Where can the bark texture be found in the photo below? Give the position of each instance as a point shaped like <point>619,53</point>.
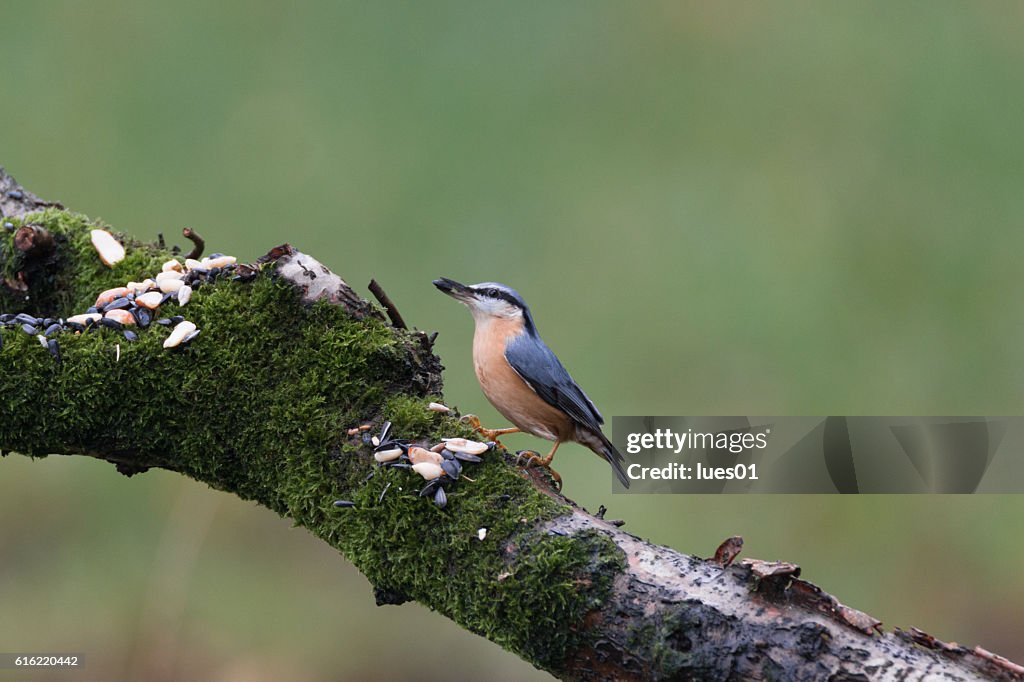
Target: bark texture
<point>266,405</point>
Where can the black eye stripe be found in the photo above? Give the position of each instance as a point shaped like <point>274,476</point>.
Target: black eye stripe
<point>498,293</point>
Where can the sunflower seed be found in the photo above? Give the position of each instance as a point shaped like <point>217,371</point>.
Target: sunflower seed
<point>452,468</point>
<point>438,407</point>
<point>117,304</point>
<point>130,335</point>
<point>142,317</point>
<point>171,265</point>
<point>184,295</point>
<point>344,503</point>
<point>440,498</point>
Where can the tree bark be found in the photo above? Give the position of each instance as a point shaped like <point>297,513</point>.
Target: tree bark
<point>266,405</point>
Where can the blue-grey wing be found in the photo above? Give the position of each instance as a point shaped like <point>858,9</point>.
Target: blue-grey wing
<point>541,369</point>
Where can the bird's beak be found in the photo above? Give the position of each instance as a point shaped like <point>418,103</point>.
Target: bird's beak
<point>459,292</point>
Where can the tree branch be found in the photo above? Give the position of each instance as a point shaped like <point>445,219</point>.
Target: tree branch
<point>263,405</point>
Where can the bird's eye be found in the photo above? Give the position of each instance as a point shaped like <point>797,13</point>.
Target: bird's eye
<point>493,293</point>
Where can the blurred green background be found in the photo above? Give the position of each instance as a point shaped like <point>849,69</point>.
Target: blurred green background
<point>713,208</point>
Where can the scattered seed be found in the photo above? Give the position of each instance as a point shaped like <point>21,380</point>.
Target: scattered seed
<point>171,265</point>
<point>481,534</point>
<point>466,457</point>
<point>41,339</point>
<point>428,470</point>
<point>164,322</point>
<point>142,317</point>
<point>417,455</point>
<point>351,432</point>
<point>365,427</point>
<point>430,487</point>
<point>438,448</point>
<point>440,498</point>
<point>130,335</point>
<point>152,300</point>
<point>438,407</point>
<point>25,318</point>
<point>178,319</point>
<point>54,349</point>
<point>471,447</point>
<point>218,262</point>
<point>110,250</point>
<point>385,431</point>
<point>111,323</point>
<point>344,503</point>
<point>192,264</point>
<point>111,294</point>
<point>375,440</point>
<point>179,333</point>
<point>189,337</point>
<point>85,318</point>
<point>452,468</point>
<point>122,316</point>
<point>184,295</point>
<point>52,328</point>
<point>169,286</point>
<point>389,455</point>
<point>29,329</point>
<point>117,304</point>
<point>142,287</point>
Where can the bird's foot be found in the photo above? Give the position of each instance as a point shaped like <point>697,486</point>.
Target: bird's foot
<point>532,458</point>
<point>490,434</point>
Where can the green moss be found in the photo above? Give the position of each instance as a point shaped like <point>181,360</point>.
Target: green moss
<point>259,405</point>
<point>69,280</point>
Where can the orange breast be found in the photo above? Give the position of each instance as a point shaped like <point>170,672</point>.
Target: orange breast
<point>506,390</point>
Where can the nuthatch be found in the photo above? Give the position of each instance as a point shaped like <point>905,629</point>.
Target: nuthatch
<point>523,379</point>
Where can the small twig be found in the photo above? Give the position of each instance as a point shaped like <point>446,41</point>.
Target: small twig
<point>393,314</point>
<point>197,243</point>
<point>34,241</point>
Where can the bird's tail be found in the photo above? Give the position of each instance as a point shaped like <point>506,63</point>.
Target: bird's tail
<point>600,444</point>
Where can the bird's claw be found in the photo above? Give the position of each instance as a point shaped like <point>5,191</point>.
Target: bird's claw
<point>473,422</point>
<point>533,459</point>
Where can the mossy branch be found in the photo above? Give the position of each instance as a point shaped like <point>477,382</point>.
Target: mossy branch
<point>261,406</point>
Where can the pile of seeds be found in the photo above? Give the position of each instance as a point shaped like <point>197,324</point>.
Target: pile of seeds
<point>136,303</point>
<point>440,465</point>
